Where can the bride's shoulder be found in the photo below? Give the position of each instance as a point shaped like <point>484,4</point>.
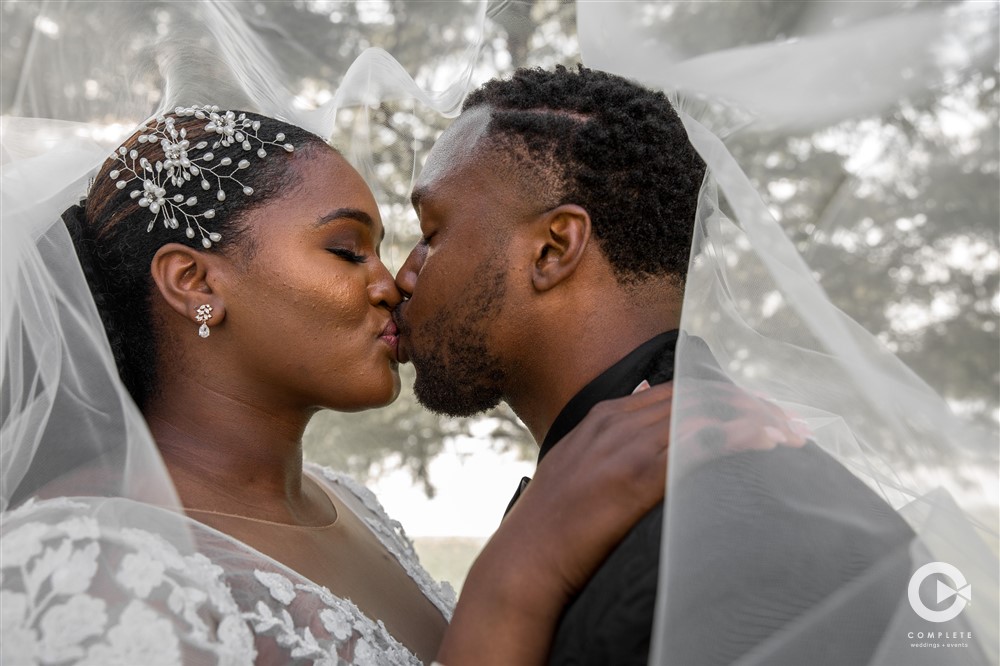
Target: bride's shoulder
<point>389,531</point>
<point>367,505</point>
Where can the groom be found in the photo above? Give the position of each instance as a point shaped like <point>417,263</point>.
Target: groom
<point>557,214</point>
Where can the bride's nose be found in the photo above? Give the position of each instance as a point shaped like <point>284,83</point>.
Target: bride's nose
<point>382,289</point>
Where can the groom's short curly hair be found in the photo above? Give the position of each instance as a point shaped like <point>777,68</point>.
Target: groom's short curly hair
<point>609,145</point>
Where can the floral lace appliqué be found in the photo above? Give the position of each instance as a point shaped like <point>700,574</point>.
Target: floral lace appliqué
<point>347,633</point>
<point>75,591</point>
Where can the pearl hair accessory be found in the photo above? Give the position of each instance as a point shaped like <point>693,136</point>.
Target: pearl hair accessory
<point>179,165</point>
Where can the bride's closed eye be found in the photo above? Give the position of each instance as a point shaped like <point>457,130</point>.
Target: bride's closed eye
<point>348,255</point>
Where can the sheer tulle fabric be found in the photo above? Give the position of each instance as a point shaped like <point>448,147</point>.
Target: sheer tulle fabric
<point>70,431</point>
<point>865,409</point>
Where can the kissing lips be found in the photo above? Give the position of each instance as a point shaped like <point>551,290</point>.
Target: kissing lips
<point>390,336</point>
<point>402,329</point>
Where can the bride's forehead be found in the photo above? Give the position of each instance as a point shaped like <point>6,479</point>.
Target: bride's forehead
<point>331,182</point>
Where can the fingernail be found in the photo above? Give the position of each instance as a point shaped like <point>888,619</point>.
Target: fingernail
<point>775,435</point>
<point>800,428</point>
<point>643,386</point>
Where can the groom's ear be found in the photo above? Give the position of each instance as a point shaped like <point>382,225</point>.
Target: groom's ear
<point>563,236</point>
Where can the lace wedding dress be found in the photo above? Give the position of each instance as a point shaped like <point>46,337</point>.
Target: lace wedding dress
<point>79,589</point>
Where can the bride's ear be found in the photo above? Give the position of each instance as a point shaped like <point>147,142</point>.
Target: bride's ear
<point>564,233</point>
<point>182,276</point>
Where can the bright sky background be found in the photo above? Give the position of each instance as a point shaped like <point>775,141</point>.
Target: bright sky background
<point>474,485</point>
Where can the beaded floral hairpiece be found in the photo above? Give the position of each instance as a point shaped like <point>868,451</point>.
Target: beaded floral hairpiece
<point>179,165</point>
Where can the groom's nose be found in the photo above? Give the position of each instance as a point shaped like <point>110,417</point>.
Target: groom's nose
<point>406,278</point>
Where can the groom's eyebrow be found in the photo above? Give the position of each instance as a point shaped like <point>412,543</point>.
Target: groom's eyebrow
<point>349,214</point>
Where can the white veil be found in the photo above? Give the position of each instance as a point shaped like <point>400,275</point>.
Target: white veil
<point>770,326</point>
<point>88,72</point>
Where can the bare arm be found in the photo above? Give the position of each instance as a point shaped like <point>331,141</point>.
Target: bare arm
<point>583,500</point>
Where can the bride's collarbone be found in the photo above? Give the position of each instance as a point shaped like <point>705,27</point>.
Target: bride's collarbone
<point>311,508</point>
<point>330,539</point>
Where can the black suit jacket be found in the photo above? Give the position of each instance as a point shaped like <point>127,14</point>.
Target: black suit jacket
<point>763,547</point>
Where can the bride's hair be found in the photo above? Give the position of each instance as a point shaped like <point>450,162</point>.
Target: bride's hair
<point>109,232</point>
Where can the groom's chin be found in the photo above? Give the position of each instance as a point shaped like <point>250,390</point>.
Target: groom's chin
<point>453,397</point>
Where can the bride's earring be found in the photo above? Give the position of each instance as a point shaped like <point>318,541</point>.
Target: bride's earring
<point>202,315</point>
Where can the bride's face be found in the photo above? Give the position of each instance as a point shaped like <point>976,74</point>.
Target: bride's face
<point>308,313</point>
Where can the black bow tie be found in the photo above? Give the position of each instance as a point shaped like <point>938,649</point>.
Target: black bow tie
<point>525,480</point>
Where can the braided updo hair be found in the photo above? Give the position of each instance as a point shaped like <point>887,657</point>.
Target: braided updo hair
<point>109,228</point>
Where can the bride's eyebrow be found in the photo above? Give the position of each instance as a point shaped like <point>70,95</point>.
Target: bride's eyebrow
<point>349,214</point>
<point>346,214</point>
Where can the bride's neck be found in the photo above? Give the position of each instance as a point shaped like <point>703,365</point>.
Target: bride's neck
<point>224,450</point>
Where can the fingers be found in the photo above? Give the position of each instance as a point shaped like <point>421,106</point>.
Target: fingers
<point>717,403</point>
<point>617,423</point>
<point>801,429</point>
<point>748,435</point>
<point>746,422</point>
<point>620,439</point>
<point>643,395</point>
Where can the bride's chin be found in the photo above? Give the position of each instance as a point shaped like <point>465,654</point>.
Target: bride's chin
<point>388,391</point>
<point>381,390</point>
<point>393,392</point>
<point>396,384</point>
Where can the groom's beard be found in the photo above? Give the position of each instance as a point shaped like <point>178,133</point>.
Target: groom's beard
<point>457,374</point>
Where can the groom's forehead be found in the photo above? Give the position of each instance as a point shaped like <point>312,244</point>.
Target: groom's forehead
<point>456,149</point>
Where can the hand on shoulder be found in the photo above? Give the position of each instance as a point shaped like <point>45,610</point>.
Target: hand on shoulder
<point>585,497</point>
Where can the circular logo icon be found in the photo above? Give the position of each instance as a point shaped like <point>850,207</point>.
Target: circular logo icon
<point>959,589</point>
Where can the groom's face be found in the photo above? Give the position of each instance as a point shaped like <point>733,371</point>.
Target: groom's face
<point>453,326</point>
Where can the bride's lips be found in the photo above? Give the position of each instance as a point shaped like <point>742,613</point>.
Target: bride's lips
<point>401,354</point>
<point>390,336</point>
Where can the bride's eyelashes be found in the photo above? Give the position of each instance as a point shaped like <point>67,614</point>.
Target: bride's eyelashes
<point>348,255</point>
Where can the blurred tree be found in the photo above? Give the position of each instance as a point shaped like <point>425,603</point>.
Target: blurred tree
<point>898,217</point>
